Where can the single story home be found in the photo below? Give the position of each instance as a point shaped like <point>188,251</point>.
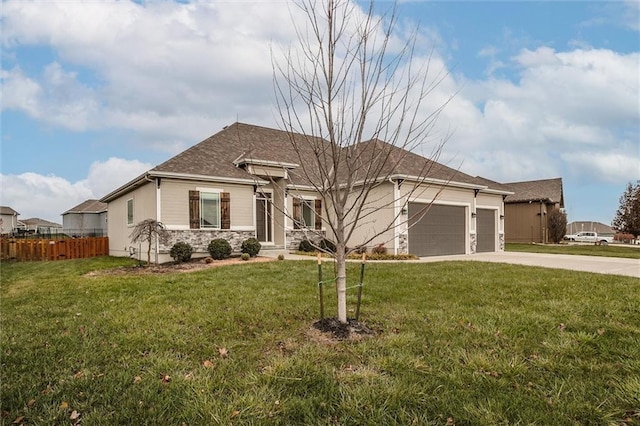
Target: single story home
<point>587,225</point>
<point>251,181</point>
<point>41,226</point>
<point>87,219</point>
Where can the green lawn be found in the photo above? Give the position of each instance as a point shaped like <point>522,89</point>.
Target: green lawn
<point>610,250</point>
<point>457,342</point>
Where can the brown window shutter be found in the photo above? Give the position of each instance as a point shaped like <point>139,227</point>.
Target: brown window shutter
<point>194,209</point>
<point>297,213</point>
<point>318,214</point>
<point>225,210</point>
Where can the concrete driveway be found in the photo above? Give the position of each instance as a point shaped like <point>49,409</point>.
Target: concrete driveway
<point>599,265</point>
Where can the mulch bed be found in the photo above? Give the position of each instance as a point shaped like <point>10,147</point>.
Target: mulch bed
<point>342,331</point>
<point>167,268</point>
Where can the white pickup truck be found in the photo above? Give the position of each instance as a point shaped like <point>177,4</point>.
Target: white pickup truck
<point>588,237</point>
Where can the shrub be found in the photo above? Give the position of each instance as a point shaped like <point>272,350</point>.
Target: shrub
<point>245,256</point>
<point>251,246</point>
<point>328,245</point>
<point>219,249</point>
<point>360,250</point>
<point>623,238</point>
<point>306,246</point>
<point>379,249</point>
<point>557,225</point>
<point>281,257</point>
<point>181,252</point>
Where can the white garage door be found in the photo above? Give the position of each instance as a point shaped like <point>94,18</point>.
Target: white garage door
<point>439,231</point>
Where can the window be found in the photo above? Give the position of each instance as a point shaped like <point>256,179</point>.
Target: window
<point>130,211</point>
<point>209,210</point>
<point>307,214</point>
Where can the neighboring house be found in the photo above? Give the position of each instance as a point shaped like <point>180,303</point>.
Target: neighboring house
<point>527,209</point>
<point>8,220</point>
<point>87,219</point>
<point>599,227</point>
<point>247,181</point>
<point>40,226</point>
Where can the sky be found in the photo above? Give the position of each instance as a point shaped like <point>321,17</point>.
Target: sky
<point>94,93</point>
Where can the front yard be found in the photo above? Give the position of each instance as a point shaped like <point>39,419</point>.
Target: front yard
<point>610,250</point>
<point>456,343</point>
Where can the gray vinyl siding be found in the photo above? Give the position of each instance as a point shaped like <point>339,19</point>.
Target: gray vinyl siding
<point>175,202</point>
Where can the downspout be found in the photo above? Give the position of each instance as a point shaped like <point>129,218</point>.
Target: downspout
<point>158,213</point>
<point>396,216</point>
<point>541,228</point>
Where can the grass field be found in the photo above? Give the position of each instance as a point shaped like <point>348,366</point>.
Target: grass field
<point>610,250</point>
<point>461,343</point>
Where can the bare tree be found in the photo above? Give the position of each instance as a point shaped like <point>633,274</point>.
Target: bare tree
<point>148,230</point>
<point>353,98</point>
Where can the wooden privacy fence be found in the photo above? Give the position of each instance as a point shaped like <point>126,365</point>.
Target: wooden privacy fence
<point>74,248</point>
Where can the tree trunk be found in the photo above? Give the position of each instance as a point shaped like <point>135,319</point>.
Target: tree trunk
<point>341,282</point>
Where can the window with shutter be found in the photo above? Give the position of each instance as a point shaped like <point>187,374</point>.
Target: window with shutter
<point>307,214</point>
<point>209,210</point>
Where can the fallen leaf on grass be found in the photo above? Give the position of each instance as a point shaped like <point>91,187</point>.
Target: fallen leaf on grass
<point>64,405</point>
<point>235,414</point>
<point>223,352</point>
<point>207,364</point>
<point>79,375</point>
<point>166,378</point>
<point>31,403</point>
<point>562,326</point>
<point>18,420</point>
<point>74,415</point>
<point>137,379</point>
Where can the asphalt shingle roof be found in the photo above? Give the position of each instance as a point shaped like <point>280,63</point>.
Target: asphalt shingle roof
<point>215,156</point>
<point>7,210</point>
<point>548,190</point>
<point>88,206</point>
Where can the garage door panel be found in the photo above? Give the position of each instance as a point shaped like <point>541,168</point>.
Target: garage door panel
<point>486,230</point>
<point>440,230</point>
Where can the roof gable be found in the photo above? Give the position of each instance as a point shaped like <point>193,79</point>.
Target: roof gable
<point>88,206</point>
<point>8,211</point>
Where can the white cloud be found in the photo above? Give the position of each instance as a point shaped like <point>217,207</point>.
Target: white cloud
<point>173,73</point>
<point>161,69</point>
<point>47,197</point>
<point>564,105</point>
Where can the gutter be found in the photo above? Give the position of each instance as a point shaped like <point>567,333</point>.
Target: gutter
<point>144,178</point>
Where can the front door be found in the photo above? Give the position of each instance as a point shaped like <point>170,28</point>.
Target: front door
<point>264,215</point>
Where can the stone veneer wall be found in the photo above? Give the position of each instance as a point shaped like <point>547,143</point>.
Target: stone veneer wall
<point>294,236</point>
<point>501,241</point>
<point>200,239</point>
<point>402,244</point>
<point>473,243</point>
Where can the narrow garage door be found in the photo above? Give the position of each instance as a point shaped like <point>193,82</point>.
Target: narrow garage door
<point>440,231</point>
<point>486,230</point>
